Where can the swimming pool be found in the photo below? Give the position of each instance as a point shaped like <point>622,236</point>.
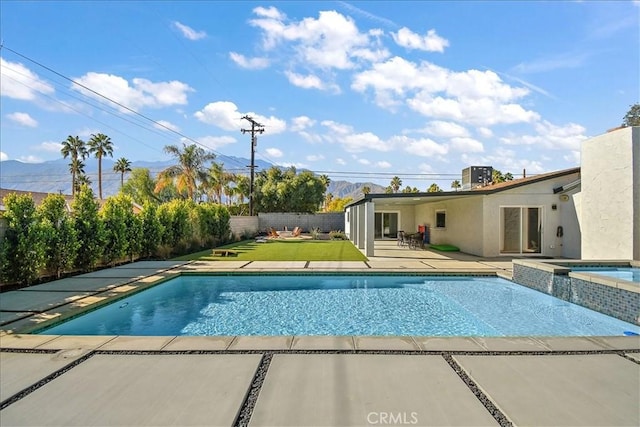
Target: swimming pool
<point>342,305</point>
<point>631,274</point>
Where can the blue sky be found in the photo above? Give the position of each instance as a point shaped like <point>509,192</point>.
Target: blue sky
<point>357,90</point>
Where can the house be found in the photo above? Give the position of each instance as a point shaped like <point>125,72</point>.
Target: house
<point>528,216</point>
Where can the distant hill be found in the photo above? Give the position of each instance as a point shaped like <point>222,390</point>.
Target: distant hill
<point>344,189</point>
<point>53,176</point>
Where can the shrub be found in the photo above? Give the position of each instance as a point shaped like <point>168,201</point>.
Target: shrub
<point>61,240</point>
<point>22,254</point>
<point>89,228</point>
<point>337,235</point>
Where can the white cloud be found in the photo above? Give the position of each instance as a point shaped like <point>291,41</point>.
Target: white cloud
<point>431,42</point>
<point>49,146</point>
<point>573,157</point>
<point>332,41</point>
<point>30,159</point>
<point>274,152</point>
<point>215,142</point>
<point>301,123</point>
<point>445,129</point>
<point>165,125</point>
<point>23,119</point>
<point>225,115</point>
<point>310,137</point>
<point>315,157</point>
<point>359,142</point>
<point>256,63</point>
<point>466,145</point>
<point>310,81</point>
<point>364,162</point>
<point>3,156</point>
<point>341,161</point>
<point>141,93</point>
<point>484,132</point>
<point>423,147</point>
<point>383,164</point>
<point>477,98</point>
<point>550,136</point>
<point>19,82</point>
<point>189,32</point>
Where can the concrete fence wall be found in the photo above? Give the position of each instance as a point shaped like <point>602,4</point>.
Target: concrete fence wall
<point>244,225</point>
<point>333,221</point>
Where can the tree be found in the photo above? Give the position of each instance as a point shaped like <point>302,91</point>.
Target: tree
<point>455,185</point>
<point>434,188</point>
<point>100,145</point>
<point>338,204</point>
<point>497,176</point>
<point>632,118</point>
<point>215,181</point>
<point>60,235</point>
<point>89,229</point>
<point>288,191</point>
<point>409,189</point>
<point>188,171</point>
<point>395,184</point>
<point>22,252</point>
<point>76,149</point>
<point>366,190</point>
<point>123,166</point>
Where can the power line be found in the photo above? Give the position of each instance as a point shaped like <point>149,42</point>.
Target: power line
<point>155,122</point>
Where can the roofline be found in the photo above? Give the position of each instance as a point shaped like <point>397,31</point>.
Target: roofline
<point>481,192</point>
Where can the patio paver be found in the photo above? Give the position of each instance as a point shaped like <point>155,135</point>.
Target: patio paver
<point>275,265</point>
<point>158,265</point>
<point>136,343</point>
<point>198,343</point>
<point>12,316</point>
<point>448,344</point>
<point>337,264</point>
<point>24,341</point>
<point>153,390</point>
<point>635,356</point>
<point>350,390</point>
<point>584,390</point>
<point>133,273</point>
<point>261,343</point>
<point>398,264</point>
<point>78,283</point>
<point>37,301</point>
<point>322,343</point>
<point>510,344</point>
<point>18,370</point>
<point>385,343</point>
<point>65,342</point>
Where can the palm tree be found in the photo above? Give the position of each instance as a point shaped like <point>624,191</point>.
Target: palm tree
<point>396,183</point>
<point>82,180</point>
<point>366,190</point>
<point>76,149</point>
<point>100,145</point>
<point>215,181</point>
<point>123,166</point>
<point>434,188</point>
<point>188,171</point>
<point>455,185</point>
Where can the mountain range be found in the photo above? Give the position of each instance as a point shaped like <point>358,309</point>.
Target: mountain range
<point>54,177</point>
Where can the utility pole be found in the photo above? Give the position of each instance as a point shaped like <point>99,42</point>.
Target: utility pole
<point>255,129</point>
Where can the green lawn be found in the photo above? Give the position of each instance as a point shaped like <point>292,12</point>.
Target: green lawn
<point>284,250</point>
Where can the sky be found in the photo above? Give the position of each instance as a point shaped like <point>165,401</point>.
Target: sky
<point>359,91</point>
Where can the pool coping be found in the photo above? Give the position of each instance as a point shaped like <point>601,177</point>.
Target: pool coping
<point>15,334</point>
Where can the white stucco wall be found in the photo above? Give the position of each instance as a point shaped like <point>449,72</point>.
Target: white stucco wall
<point>610,197</point>
<point>464,219</point>
<point>538,194</point>
<point>406,217</point>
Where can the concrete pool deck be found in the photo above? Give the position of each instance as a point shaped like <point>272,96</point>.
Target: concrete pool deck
<point>301,380</point>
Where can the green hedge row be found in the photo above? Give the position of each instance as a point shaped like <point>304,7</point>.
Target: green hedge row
<point>49,241</point>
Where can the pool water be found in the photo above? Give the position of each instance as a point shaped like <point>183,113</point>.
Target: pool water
<point>342,305</point>
<point>631,274</point>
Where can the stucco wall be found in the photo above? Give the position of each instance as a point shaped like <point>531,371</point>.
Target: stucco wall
<point>610,199</point>
<point>464,219</point>
<point>537,194</point>
<point>406,216</point>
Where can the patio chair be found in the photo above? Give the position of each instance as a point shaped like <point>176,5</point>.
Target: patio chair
<point>273,234</point>
<point>401,241</point>
<point>296,232</point>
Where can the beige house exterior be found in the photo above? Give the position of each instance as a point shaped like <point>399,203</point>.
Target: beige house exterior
<point>531,216</point>
<point>591,212</point>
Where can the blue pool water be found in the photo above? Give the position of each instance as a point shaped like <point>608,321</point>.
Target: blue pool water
<point>342,305</point>
<point>632,274</point>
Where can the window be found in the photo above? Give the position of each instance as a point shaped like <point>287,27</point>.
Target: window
<point>441,219</point>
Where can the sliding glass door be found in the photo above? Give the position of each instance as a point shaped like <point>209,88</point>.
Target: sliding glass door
<point>521,230</point>
<point>386,225</point>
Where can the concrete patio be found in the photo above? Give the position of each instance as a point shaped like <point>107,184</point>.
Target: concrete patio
<point>300,380</point>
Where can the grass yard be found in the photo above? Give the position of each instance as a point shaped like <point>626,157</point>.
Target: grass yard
<point>284,250</point>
